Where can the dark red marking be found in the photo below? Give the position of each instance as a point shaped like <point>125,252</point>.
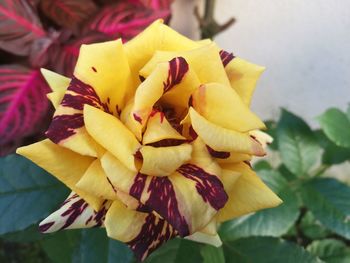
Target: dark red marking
<point>193,133</point>
<point>178,67</point>
<point>138,155</point>
<point>137,118</point>
<point>167,142</point>
<point>94,69</point>
<point>109,181</point>
<point>190,101</point>
<point>162,199</point>
<point>99,217</point>
<point>209,187</point>
<point>73,212</point>
<point>64,126</point>
<point>142,78</point>
<point>248,163</point>
<point>226,57</point>
<point>217,154</point>
<point>43,228</point>
<point>154,233</point>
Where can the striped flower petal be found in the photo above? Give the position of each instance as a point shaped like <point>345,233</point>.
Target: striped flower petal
<point>207,97</point>
<point>142,232</point>
<point>159,128</point>
<point>225,140</point>
<point>248,194</point>
<point>74,213</point>
<point>67,166</point>
<point>110,132</point>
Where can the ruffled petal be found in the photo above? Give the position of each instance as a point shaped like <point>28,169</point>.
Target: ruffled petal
<point>95,181</point>
<point>221,139</point>
<point>67,166</point>
<point>163,161</point>
<point>165,77</point>
<point>262,137</point>
<point>142,232</point>
<point>248,194</point>
<point>110,132</point>
<point>58,85</point>
<point>188,199</point>
<point>74,213</point>
<point>158,129</point>
<point>243,77</point>
<point>222,106</point>
<point>155,37</point>
<point>105,67</point>
<point>67,127</point>
<point>205,61</point>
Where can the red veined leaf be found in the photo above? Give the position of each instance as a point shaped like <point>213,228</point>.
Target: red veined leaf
<point>124,20</point>
<point>23,102</point>
<point>68,13</point>
<point>63,57</point>
<point>19,26</point>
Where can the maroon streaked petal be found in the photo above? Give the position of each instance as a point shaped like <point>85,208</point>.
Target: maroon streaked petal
<point>217,154</point>
<point>178,67</point>
<point>226,57</point>
<point>64,126</point>
<point>208,186</point>
<point>154,233</point>
<point>162,199</point>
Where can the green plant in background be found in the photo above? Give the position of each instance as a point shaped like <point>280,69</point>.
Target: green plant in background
<point>312,225</point>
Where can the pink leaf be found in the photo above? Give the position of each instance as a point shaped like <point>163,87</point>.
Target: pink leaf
<point>23,102</point>
<point>63,57</point>
<point>68,13</point>
<point>19,26</point>
<point>124,20</point>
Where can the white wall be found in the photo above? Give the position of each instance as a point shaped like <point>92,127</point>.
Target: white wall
<point>305,46</point>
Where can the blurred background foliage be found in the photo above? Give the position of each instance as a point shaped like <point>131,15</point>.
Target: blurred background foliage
<point>312,225</point>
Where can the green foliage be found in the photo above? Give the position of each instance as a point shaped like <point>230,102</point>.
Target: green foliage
<point>312,224</point>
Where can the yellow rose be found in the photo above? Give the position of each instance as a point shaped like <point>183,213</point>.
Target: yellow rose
<point>154,138</point>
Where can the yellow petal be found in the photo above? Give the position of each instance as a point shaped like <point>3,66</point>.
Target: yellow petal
<point>222,106</point>
<point>111,133</point>
<point>229,176</point>
<point>74,213</point>
<point>243,77</point>
<point>58,85</point>
<point>163,161</point>
<point>205,61</point>
<point>225,140</point>
<point>234,158</point>
<point>248,194</point>
<point>262,137</point>
<point>158,129</point>
<point>95,181</point>
<point>105,67</point>
<point>155,37</point>
<point>206,239</point>
<point>65,165</point>
<point>57,82</point>
<point>142,232</point>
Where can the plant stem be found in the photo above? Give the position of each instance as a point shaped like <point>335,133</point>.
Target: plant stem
<point>321,170</point>
<point>209,27</point>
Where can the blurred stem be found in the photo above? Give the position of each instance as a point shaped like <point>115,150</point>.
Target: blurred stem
<point>209,27</point>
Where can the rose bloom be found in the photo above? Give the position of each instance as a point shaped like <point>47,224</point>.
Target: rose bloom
<point>154,137</point>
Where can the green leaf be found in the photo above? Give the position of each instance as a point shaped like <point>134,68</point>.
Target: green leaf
<point>262,165</point>
<point>266,250</point>
<point>312,228</point>
<point>332,154</point>
<point>177,251</point>
<point>336,126</point>
<point>29,234</point>
<point>95,246</point>
<point>269,222</point>
<point>297,144</point>
<point>328,200</point>
<point>330,250</point>
<point>282,169</point>
<point>60,246</point>
<point>27,193</point>
<point>212,254</point>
